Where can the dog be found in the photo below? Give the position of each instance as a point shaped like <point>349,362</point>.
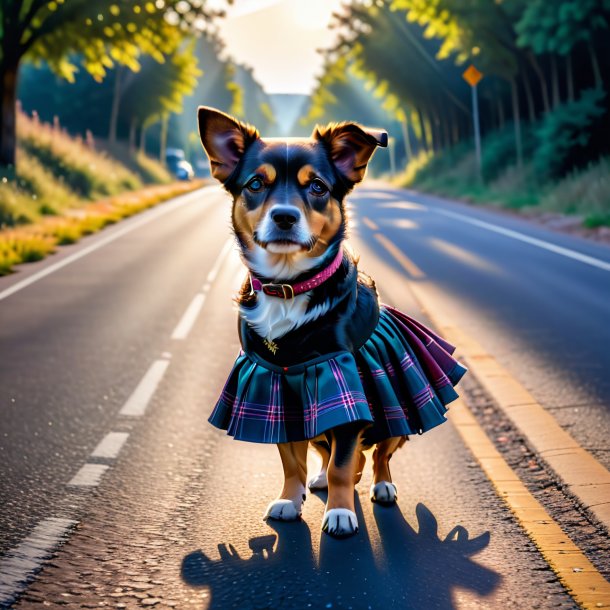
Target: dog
<point>322,362</point>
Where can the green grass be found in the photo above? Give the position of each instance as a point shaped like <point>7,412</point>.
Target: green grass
<point>33,242</point>
<point>147,169</point>
<point>64,188</point>
<point>585,193</point>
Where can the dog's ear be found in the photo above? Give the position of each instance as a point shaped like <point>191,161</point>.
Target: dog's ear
<point>224,140</point>
<point>350,146</point>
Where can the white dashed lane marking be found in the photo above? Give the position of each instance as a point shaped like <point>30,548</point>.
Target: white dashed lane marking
<point>89,475</point>
<point>189,318</point>
<point>138,402</point>
<point>110,445</point>
<point>18,566</point>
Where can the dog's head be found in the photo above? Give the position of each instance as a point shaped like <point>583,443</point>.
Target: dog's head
<point>288,208</point>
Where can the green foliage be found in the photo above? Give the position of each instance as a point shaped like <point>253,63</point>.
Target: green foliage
<point>32,242</point>
<point>557,27</point>
<point>148,170</point>
<point>56,172</point>
<point>100,34</point>
<point>159,89</point>
<point>565,129</point>
<point>86,172</point>
<point>498,150</point>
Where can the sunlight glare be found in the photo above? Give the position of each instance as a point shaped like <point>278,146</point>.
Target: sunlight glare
<point>313,14</point>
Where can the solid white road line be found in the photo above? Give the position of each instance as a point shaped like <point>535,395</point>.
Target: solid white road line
<point>19,564</point>
<point>132,226</point>
<point>110,445</point>
<point>136,404</point>
<point>190,316</point>
<point>573,254</point>
<point>89,475</point>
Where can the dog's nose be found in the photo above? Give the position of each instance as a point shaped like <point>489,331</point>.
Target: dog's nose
<point>285,216</point>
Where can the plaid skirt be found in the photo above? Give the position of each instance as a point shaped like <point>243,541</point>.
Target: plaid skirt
<point>399,382</point>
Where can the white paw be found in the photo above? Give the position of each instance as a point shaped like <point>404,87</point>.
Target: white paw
<point>340,522</point>
<point>282,510</point>
<point>384,493</point>
<point>318,482</point>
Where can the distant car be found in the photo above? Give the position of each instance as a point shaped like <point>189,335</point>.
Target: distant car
<point>184,171</point>
<point>178,165</point>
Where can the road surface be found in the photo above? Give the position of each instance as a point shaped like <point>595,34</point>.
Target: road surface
<point>112,362</point>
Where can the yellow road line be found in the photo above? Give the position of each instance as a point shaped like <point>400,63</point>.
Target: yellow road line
<point>408,265</point>
<point>584,476</point>
<point>587,479</point>
<point>578,575</point>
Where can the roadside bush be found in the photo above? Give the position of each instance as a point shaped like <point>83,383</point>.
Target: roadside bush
<point>87,172</point>
<point>586,192</point>
<point>564,131</point>
<point>498,150</point>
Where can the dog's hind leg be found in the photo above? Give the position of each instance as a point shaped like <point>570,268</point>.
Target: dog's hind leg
<point>289,505</point>
<point>383,491</point>
<point>345,460</point>
<point>322,446</point>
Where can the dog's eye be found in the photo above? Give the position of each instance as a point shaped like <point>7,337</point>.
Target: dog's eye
<point>318,187</point>
<point>256,185</point>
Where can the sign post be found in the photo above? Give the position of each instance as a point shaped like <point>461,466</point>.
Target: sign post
<point>472,76</point>
<point>391,142</point>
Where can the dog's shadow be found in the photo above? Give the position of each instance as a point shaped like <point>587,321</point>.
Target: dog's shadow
<point>405,568</point>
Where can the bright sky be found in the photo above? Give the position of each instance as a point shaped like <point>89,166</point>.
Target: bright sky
<point>278,39</point>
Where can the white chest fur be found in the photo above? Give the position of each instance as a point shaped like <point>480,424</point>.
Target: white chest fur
<point>273,317</point>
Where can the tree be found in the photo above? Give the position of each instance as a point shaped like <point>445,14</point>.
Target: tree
<point>393,56</point>
<point>556,28</point>
<point>99,34</point>
<point>157,90</point>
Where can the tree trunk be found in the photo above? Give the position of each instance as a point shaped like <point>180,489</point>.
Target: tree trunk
<point>541,79</point>
<point>446,131</point>
<point>407,138</point>
<point>163,139</point>
<point>8,121</point>
<point>570,77</point>
<point>555,77</point>
<point>531,108</point>
<point>517,121</point>
<point>116,99</point>
<point>500,107</point>
<point>132,136</point>
<point>455,128</point>
<point>595,65</point>
<point>143,139</point>
<point>433,131</point>
<point>422,129</point>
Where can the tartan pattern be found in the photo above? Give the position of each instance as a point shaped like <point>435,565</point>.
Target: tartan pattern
<point>399,382</point>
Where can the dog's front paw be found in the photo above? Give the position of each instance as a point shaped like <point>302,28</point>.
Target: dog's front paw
<point>319,482</point>
<point>282,510</point>
<point>340,522</point>
<point>384,493</point>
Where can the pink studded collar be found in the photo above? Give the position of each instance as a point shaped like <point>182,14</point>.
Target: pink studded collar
<point>289,291</point>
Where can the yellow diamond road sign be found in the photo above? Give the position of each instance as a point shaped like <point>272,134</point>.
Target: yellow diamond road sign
<point>472,76</point>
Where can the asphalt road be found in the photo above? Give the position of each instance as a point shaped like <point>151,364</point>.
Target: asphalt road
<point>176,519</point>
<point>542,314</point>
